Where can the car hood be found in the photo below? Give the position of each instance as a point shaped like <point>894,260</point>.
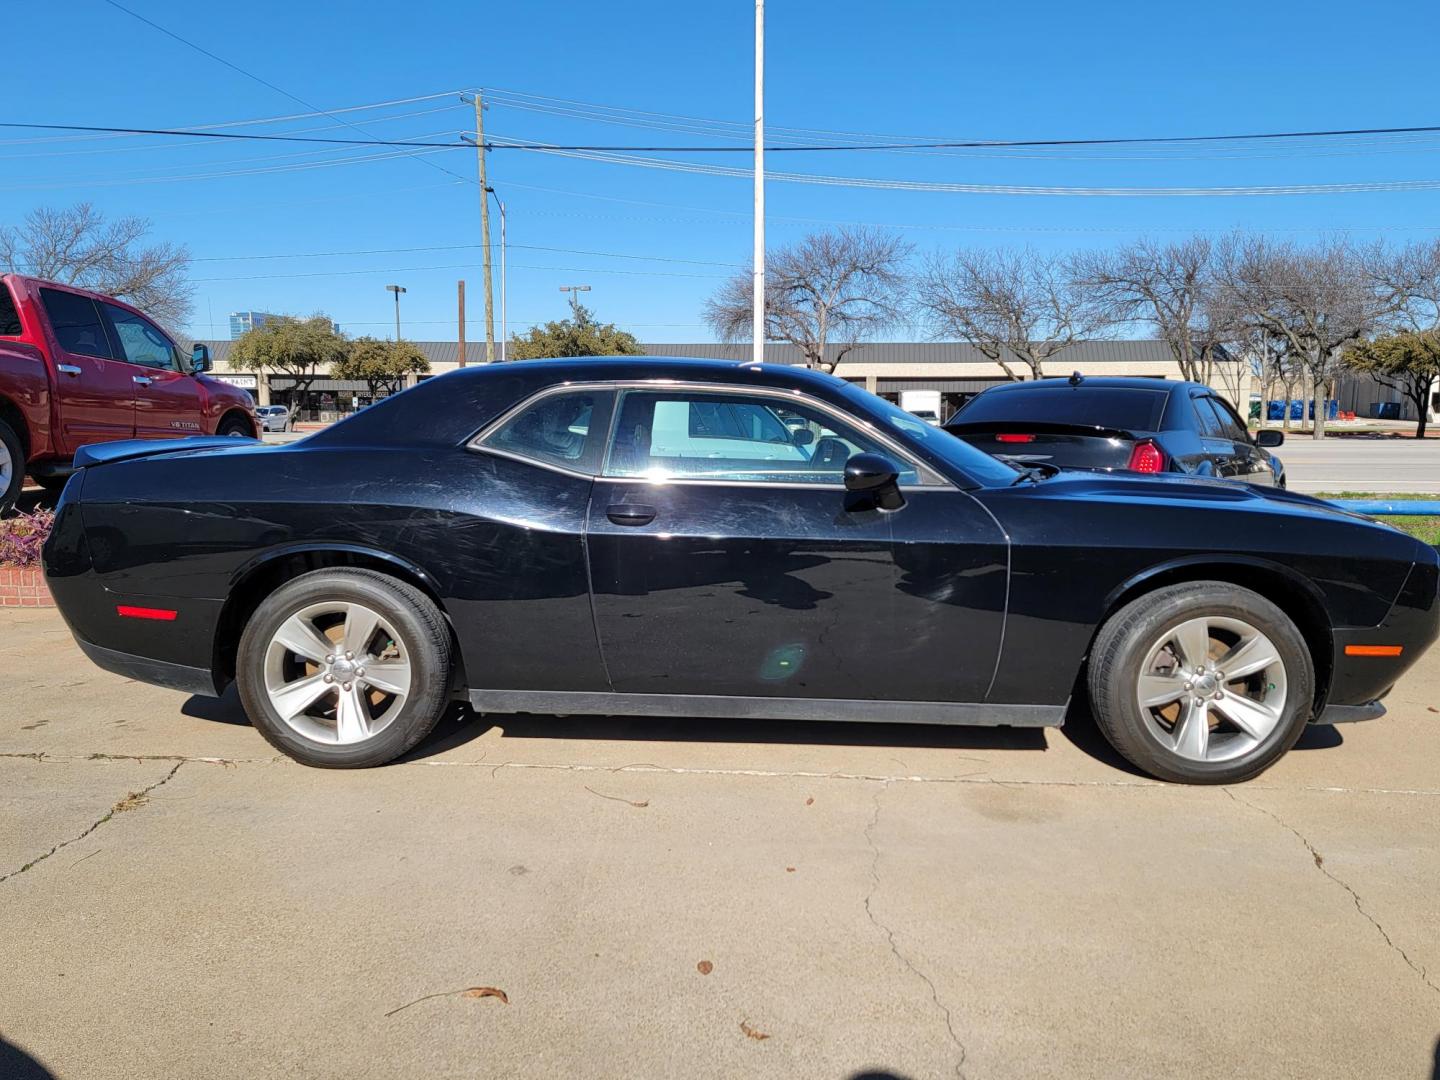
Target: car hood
<point>1173,487</point>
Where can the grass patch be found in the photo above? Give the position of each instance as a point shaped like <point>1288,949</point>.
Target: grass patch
<point>1424,527</point>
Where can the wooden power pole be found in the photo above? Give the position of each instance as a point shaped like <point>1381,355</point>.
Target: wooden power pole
<point>460,290</point>
<point>485,229</point>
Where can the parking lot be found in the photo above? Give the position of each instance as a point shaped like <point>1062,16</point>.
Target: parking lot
<point>671,898</point>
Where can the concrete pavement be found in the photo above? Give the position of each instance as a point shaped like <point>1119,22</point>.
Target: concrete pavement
<point>914,901</point>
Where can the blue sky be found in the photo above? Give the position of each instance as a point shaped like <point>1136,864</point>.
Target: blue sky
<point>951,70</point>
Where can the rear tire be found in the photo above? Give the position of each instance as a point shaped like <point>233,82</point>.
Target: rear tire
<point>366,659</point>
<point>12,468</point>
<point>1201,683</point>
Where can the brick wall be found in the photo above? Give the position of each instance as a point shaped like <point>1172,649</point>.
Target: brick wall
<point>23,587</point>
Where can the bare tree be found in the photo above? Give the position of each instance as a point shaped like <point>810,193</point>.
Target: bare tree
<point>832,289</point>
<point>1013,306</point>
<point>1319,300</point>
<point>1169,286</point>
<point>1409,280</point>
<point>78,246</point>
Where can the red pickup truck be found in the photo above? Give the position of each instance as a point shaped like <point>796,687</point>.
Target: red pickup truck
<point>78,368</point>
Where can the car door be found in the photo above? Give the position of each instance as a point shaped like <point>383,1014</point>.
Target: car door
<point>727,558</point>
<point>94,386</point>
<point>168,401</point>
<point>1219,456</point>
<point>1251,465</point>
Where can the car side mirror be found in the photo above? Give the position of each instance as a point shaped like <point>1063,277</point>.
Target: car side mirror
<point>803,436</point>
<point>1269,437</point>
<point>199,357</point>
<point>877,477</point>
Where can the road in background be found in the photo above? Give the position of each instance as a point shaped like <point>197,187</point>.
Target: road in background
<point>700,898</point>
<point>1360,464</point>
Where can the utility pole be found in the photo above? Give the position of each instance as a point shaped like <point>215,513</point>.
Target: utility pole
<point>504,278</point>
<point>460,290</point>
<point>485,229</point>
<point>575,291</point>
<point>758,279</point>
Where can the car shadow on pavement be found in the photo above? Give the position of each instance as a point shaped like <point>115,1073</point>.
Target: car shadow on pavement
<point>16,1064</point>
<point>461,725</point>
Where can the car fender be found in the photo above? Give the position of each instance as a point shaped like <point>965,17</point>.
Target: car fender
<point>307,547</point>
<point>1199,561</point>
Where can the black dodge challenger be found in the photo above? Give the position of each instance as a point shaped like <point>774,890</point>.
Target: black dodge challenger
<point>702,539</point>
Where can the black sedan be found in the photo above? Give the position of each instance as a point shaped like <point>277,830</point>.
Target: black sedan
<point>1135,425</point>
<point>694,538</point>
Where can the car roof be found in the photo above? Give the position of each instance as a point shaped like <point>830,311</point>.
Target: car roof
<point>1103,382</point>
<point>610,368</point>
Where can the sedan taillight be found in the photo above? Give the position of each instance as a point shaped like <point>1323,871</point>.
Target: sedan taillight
<point>1014,438</point>
<point>1146,458</point>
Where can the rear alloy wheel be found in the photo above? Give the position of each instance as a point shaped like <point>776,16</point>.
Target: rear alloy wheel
<point>345,668</point>
<point>1204,682</point>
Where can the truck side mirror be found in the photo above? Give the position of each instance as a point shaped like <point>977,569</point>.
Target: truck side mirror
<point>199,357</point>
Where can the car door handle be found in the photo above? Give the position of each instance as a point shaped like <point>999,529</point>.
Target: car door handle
<point>630,513</point>
<point>68,369</point>
<point>140,380</point>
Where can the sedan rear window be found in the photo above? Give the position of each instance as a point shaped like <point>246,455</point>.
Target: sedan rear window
<point>1092,406</point>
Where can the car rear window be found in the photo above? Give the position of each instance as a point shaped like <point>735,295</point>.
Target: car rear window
<point>1097,406</point>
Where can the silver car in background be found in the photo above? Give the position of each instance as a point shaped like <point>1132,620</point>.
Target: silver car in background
<point>273,417</point>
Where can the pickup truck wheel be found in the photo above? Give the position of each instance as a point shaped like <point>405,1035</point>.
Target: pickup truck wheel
<point>235,427</point>
<point>344,669</point>
<point>12,467</point>
<point>1201,683</point>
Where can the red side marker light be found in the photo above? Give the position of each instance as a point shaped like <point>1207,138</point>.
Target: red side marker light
<point>1014,438</point>
<point>158,614</point>
<point>1374,650</point>
<point>1146,458</point>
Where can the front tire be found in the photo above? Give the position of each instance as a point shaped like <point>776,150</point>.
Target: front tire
<point>235,427</point>
<point>1201,683</point>
<point>344,669</point>
<point>12,467</point>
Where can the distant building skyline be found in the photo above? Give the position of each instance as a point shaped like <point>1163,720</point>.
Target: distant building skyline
<point>242,322</point>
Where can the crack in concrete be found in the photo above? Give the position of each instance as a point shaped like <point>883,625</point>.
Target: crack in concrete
<point>1418,969</point>
<point>129,802</point>
<point>890,936</point>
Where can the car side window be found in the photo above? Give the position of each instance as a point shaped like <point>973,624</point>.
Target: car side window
<point>1229,420</point>
<point>9,314</point>
<point>141,341</point>
<point>77,323</point>
<point>565,429</point>
<point>1208,422</point>
<point>751,438</point>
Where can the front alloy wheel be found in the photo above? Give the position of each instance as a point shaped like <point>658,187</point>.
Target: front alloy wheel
<point>1204,682</point>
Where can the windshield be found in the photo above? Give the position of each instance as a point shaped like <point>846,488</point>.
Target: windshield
<point>1088,406</point>
<point>976,464</point>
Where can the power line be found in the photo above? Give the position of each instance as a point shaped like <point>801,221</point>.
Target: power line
<point>978,144</point>
<point>461,266</point>
<point>248,74</point>
<point>463,247</point>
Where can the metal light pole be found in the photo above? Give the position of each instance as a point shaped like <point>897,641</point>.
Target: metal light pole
<point>504,318</point>
<point>397,290</point>
<point>757,329</point>
<point>575,291</point>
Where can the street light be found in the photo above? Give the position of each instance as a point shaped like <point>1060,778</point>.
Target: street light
<point>575,291</point>
<point>504,319</point>
<point>397,290</point>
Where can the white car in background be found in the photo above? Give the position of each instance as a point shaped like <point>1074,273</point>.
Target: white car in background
<point>273,417</point>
